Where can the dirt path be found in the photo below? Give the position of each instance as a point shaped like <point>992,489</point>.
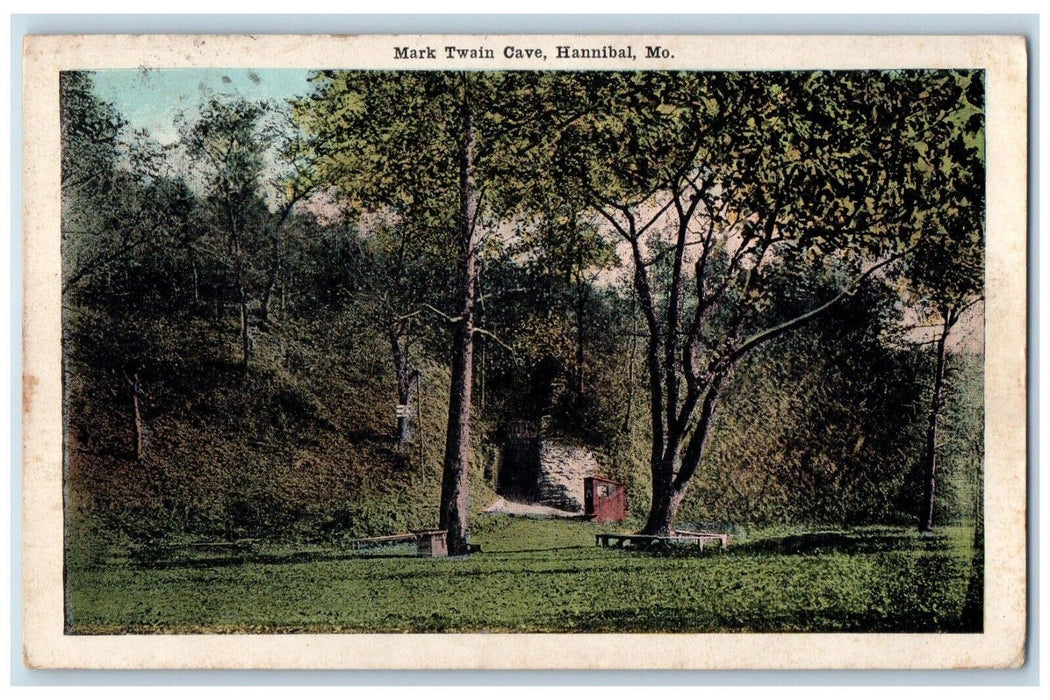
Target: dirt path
<point>504,507</point>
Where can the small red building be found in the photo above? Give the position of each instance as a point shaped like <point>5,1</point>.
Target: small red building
<point>604,500</point>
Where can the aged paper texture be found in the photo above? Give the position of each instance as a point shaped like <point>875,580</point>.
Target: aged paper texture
<point>169,583</point>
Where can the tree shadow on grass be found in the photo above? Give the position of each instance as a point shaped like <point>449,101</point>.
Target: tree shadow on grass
<point>483,566</point>
<point>176,561</point>
<point>836,542</point>
<point>675,620</point>
<point>538,550</point>
<point>661,618</point>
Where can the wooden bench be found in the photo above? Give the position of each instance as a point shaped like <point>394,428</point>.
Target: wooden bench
<point>705,537</point>
<point>423,539</point>
<point>621,540</point>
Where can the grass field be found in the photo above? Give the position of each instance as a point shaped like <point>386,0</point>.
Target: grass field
<point>542,575</point>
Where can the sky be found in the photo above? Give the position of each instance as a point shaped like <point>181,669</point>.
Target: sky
<point>152,99</point>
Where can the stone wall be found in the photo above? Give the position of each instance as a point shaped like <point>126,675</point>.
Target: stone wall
<point>545,471</point>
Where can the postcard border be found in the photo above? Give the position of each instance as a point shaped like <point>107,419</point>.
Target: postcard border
<point>1001,646</point>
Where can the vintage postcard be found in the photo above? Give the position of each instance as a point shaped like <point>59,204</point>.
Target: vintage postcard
<point>534,352</point>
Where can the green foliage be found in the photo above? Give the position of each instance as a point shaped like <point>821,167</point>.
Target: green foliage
<point>228,146</point>
<point>390,141</point>
<point>91,130</point>
<point>387,140</point>
<point>960,485</point>
<point>115,219</point>
<point>835,169</point>
<point>823,425</point>
<point>949,271</point>
<point>722,183</point>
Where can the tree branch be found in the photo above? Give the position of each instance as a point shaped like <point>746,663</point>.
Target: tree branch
<point>781,328</point>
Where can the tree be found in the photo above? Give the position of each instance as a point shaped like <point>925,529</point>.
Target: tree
<point>398,280</point>
<point>945,279</point>
<point>294,180</point>
<point>570,249</point>
<point>91,131</point>
<point>439,150</point>
<point>715,181</point>
<point>408,144</point>
<point>126,218</point>
<point>100,222</point>
<point>543,301</point>
<point>231,144</point>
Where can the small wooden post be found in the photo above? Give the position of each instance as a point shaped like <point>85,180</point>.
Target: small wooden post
<point>432,543</point>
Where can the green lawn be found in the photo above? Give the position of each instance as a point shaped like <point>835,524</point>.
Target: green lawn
<point>542,575</point>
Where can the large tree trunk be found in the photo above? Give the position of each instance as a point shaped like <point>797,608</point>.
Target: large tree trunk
<point>455,479</point>
<point>929,476</point>
<point>675,468</point>
<point>630,373</point>
<point>663,508</point>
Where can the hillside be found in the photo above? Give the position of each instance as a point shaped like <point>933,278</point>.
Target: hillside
<point>301,447</point>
